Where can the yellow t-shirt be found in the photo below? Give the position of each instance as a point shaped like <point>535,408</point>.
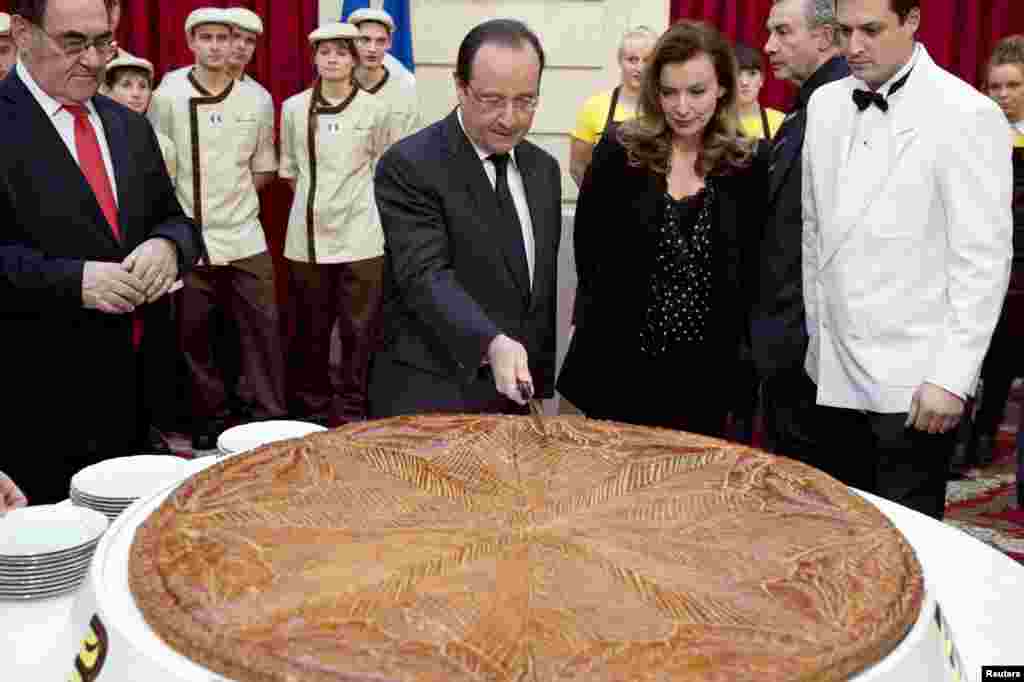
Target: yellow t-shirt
<point>591,119</point>
<point>1019,141</point>
<point>752,127</point>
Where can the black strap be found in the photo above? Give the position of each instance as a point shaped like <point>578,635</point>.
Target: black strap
<point>611,110</point>
<point>764,123</point>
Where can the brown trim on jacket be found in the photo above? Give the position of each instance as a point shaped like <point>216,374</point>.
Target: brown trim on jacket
<point>318,105</point>
<point>376,88</point>
<point>193,115</point>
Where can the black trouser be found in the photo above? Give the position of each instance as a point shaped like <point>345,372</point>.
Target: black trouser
<point>789,405</point>
<point>878,454</point>
<point>1003,362</point>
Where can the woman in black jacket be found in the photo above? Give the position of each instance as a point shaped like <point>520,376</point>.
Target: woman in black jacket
<point>660,227</point>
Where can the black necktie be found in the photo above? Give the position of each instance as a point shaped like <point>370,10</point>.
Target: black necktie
<point>506,205</point>
<point>865,98</point>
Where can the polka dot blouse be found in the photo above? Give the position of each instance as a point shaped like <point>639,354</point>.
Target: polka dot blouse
<point>680,289</point>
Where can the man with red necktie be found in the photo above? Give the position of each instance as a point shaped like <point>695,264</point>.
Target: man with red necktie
<point>91,239</point>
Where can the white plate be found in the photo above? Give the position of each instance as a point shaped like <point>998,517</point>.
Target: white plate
<point>99,506</point>
<point>45,594</point>
<point>57,562</point>
<point>48,529</point>
<point>246,437</point>
<point>125,501</point>
<point>44,581</point>
<point>125,478</point>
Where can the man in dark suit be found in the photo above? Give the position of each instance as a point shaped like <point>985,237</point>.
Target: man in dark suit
<point>802,48</point>
<point>472,220</point>
<point>91,237</point>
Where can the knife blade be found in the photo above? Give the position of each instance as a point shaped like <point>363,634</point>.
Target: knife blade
<point>526,392</point>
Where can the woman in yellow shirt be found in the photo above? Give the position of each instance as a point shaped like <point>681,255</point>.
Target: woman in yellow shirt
<point>612,106</point>
<point>755,120</point>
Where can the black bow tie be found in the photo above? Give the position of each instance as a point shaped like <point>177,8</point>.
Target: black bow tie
<point>865,98</point>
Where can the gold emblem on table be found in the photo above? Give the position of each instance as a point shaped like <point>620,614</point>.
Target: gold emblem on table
<point>388,547</point>
<point>93,654</point>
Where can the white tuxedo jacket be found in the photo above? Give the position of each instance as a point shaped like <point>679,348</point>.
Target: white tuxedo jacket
<point>906,249</point>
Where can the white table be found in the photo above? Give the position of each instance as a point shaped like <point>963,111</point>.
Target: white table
<point>980,590</point>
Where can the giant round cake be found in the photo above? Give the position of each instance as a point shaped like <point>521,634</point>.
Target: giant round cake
<point>450,548</point>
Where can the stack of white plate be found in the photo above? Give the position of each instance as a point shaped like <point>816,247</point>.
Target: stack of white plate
<point>245,437</point>
<point>111,486</point>
<point>45,550</point>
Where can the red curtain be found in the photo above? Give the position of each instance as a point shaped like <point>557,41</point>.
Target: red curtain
<point>959,34</point>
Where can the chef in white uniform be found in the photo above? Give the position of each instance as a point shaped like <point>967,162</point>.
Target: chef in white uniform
<point>375,32</point>
<point>331,137</point>
<point>129,80</point>
<point>246,34</point>
<point>224,135</point>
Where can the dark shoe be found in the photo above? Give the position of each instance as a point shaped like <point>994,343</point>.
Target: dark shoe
<point>981,451</point>
<point>204,440</point>
<point>204,436</point>
<point>156,444</point>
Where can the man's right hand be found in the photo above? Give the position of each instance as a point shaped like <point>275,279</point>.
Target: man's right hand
<point>510,365</point>
<point>109,288</point>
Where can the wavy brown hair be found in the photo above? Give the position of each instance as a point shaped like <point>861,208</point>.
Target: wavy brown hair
<point>648,138</point>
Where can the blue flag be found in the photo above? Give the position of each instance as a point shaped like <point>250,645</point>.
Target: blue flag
<point>401,43</point>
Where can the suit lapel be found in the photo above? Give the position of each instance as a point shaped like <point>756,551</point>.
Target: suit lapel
<point>791,148</point>
<point>120,159</point>
<point>535,191</point>
<point>863,177</point>
<point>49,150</point>
<point>481,193</point>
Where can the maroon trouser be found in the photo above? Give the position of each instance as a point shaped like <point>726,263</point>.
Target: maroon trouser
<point>243,291</point>
<point>322,295</point>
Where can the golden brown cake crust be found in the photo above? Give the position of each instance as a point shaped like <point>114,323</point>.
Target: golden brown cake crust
<point>455,548</point>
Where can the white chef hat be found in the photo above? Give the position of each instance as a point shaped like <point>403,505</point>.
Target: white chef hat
<point>369,14</point>
<point>245,19</point>
<point>207,15</point>
<point>333,31</point>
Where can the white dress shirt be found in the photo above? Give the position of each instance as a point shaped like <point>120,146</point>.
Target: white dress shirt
<point>1019,127</point>
<point>64,122</point>
<point>518,191</point>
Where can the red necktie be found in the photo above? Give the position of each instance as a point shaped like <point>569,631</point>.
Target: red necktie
<point>90,160</point>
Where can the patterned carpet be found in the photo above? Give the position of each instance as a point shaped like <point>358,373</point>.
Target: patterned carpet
<point>984,502</point>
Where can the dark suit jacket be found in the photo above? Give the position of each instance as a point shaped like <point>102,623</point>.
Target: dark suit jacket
<point>778,333</point>
<point>619,211</point>
<point>71,372</point>
<point>453,279</point>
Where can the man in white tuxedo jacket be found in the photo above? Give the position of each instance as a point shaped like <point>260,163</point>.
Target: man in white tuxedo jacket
<point>906,253</point>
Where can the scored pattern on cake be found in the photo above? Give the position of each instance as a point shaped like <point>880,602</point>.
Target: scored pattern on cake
<point>474,548</point>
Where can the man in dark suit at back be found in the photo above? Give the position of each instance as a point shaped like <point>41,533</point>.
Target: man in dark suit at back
<point>472,220</point>
<point>91,236</point>
<point>802,48</point>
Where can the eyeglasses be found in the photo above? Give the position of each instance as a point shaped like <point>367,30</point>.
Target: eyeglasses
<point>75,44</point>
<point>524,105</point>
